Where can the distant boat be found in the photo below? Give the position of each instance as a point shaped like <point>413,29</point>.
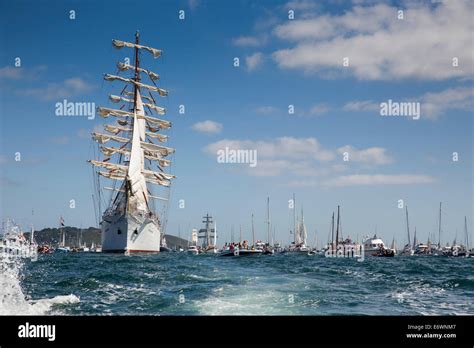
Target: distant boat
<point>373,246</point>
<point>208,235</point>
<point>299,233</point>
<point>407,249</point>
<point>63,249</point>
<point>13,242</point>
<point>240,252</point>
<point>193,249</point>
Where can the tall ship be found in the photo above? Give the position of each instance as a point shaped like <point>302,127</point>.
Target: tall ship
<point>135,166</point>
<point>208,235</point>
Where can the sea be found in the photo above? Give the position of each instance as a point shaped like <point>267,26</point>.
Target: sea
<point>181,284</point>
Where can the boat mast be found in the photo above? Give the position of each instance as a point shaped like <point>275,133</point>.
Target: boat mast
<point>465,231</point>
<point>268,220</point>
<point>439,227</point>
<point>294,219</point>
<point>414,240</point>
<point>253,234</point>
<point>408,226</point>
<point>337,228</point>
<point>137,71</point>
<point>332,232</point>
<point>215,233</point>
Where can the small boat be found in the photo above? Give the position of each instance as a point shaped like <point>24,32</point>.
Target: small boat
<point>407,249</point>
<point>193,249</point>
<point>373,246</point>
<point>384,252</point>
<point>241,252</point>
<point>13,242</point>
<point>63,249</point>
<point>45,249</point>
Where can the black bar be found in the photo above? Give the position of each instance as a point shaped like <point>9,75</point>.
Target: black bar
<point>132,330</point>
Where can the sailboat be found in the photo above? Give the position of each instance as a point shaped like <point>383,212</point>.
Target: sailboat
<point>130,223</point>
<point>208,235</point>
<point>268,248</point>
<point>407,250</point>
<point>299,233</point>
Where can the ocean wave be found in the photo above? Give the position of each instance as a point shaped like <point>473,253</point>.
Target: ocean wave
<point>13,300</point>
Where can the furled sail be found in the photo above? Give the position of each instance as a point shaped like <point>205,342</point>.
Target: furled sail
<point>103,138</point>
<point>120,44</point>
<point>150,128</point>
<point>118,176</point>
<point>105,112</point>
<point>130,94</point>
<point>111,166</point>
<point>161,91</point>
<point>115,129</point>
<point>122,67</point>
<point>109,151</point>
<point>118,99</point>
<point>159,175</point>
<point>112,175</point>
<point>163,150</point>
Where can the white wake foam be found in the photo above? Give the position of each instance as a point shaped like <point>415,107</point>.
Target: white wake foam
<point>14,302</point>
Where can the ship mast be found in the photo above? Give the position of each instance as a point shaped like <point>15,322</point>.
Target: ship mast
<point>294,219</point>
<point>332,231</point>
<point>137,71</point>
<point>253,234</point>
<point>408,226</point>
<point>439,227</point>
<point>268,220</point>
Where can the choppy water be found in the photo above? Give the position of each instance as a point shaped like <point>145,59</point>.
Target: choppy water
<point>182,284</point>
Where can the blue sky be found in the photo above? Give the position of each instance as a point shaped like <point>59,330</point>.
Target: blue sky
<point>282,62</point>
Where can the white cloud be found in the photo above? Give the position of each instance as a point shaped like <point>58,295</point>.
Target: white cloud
<point>380,46</point>
<point>250,41</point>
<point>284,147</point>
<point>266,110</point>
<point>435,104</point>
<point>371,155</point>
<point>377,179</point>
<point>54,91</point>
<point>253,61</point>
<point>207,126</point>
<point>361,105</point>
<point>319,109</point>
<point>301,5</point>
<point>304,162</point>
<point>21,73</point>
<point>10,72</point>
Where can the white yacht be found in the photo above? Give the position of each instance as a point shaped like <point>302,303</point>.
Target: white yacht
<point>373,245</point>
<point>193,249</point>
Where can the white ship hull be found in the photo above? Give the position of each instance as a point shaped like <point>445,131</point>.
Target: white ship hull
<point>126,233</point>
